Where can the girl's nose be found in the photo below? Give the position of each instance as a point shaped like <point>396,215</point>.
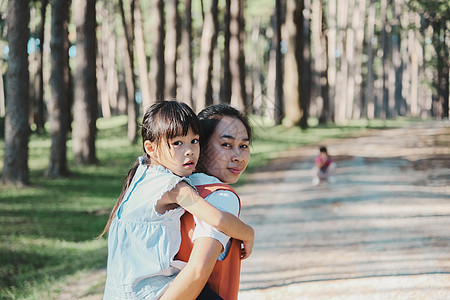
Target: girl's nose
<point>190,151</point>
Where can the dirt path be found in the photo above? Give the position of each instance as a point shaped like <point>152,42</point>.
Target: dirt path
<point>381,231</point>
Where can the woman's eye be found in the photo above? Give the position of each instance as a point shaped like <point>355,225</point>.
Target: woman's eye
<point>177,143</point>
<point>226,145</point>
<point>244,146</point>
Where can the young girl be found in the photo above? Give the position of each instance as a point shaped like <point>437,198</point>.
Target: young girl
<point>324,167</point>
<point>144,225</point>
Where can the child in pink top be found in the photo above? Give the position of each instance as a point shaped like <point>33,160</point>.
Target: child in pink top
<point>324,167</point>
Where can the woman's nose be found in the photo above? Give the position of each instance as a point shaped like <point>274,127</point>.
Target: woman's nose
<point>236,156</point>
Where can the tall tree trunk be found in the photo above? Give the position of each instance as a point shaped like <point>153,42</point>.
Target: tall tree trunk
<point>359,22</point>
<point>32,64</point>
<point>130,80</point>
<point>440,104</point>
<point>186,55</point>
<point>256,95</point>
<point>208,41</point>
<point>331,49</point>
<point>225,88</point>
<point>368,108</point>
<point>278,111</point>
<point>38,80</point>
<point>302,16</point>
<point>349,58</point>
<point>102,59</point>
<point>17,129</point>
<point>2,93</point>
<point>318,26</point>
<point>140,52</point>
<point>85,104</point>
<point>293,112</point>
<point>172,21</point>
<point>58,104</point>
<point>107,68</point>
<point>385,42</point>
<point>342,71</point>
<point>397,58</point>
<point>236,52</point>
<point>157,67</point>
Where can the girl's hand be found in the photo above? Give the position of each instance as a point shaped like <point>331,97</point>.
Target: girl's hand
<point>246,249</point>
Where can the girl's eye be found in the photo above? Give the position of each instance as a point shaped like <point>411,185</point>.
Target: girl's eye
<point>194,141</point>
<point>244,146</point>
<point>177,143</point>
<point>226,145</point>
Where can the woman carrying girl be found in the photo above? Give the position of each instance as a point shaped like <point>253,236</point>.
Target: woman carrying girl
<point>144,225</point>
<point>225,153</point>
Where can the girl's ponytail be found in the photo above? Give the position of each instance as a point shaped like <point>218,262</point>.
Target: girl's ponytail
<point>126,184</point>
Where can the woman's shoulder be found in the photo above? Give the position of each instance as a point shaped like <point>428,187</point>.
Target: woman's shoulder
<point>202,179</point>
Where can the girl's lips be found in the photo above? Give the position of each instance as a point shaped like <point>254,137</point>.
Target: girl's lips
<point>189,165</point>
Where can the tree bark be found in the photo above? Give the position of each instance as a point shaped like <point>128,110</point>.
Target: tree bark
<point>17,130</point>
<point>440,104</point>
<point>255,62</point>
<point>171,48</point>
<point>39,109</point>
<point>397,58</point>
<point>157,67</point>
<point>358,22</point>
<point>342,71</point>
<point>140,52</point>
<point>130,79</point>
<point>292,111</point>
<point>236,56</point>
<point>226,84</point>
<point>368,108</point>
<point>186,56</point>
<point>383,107</point>
<point>303,54</point>
<point>58,104</point>
<point>102,59</point>
<point>318,29</point>
<point>278,111</point>
<point>331,49</point>
<point>208,42</point>
<point>85,104</point>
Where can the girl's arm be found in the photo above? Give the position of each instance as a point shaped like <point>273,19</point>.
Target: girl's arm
<point>186,197</point>
<point>190,281</point>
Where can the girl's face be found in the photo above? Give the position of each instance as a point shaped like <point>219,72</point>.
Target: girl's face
<point>180,155</point>
<point>227,154</point>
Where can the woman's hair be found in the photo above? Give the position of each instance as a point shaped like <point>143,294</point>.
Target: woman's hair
<point>211,116</point>
<point>161,122</point>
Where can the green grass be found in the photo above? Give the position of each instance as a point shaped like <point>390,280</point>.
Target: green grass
<point>48,230</point>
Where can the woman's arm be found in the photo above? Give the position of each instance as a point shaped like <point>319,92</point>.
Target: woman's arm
<point>190,281</point>
<point>186,197</point>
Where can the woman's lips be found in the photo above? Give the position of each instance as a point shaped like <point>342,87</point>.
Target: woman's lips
<point>235,170</point>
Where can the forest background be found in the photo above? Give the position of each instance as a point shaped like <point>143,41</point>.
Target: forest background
<point>75,72</point>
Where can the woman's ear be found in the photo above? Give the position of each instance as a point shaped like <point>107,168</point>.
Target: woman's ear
<point>150,148</point>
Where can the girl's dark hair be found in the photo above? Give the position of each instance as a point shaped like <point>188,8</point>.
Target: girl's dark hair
<point>161,122</point>
<point>210,117</point>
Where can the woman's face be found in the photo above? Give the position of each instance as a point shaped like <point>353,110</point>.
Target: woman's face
<point>227,154</point>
